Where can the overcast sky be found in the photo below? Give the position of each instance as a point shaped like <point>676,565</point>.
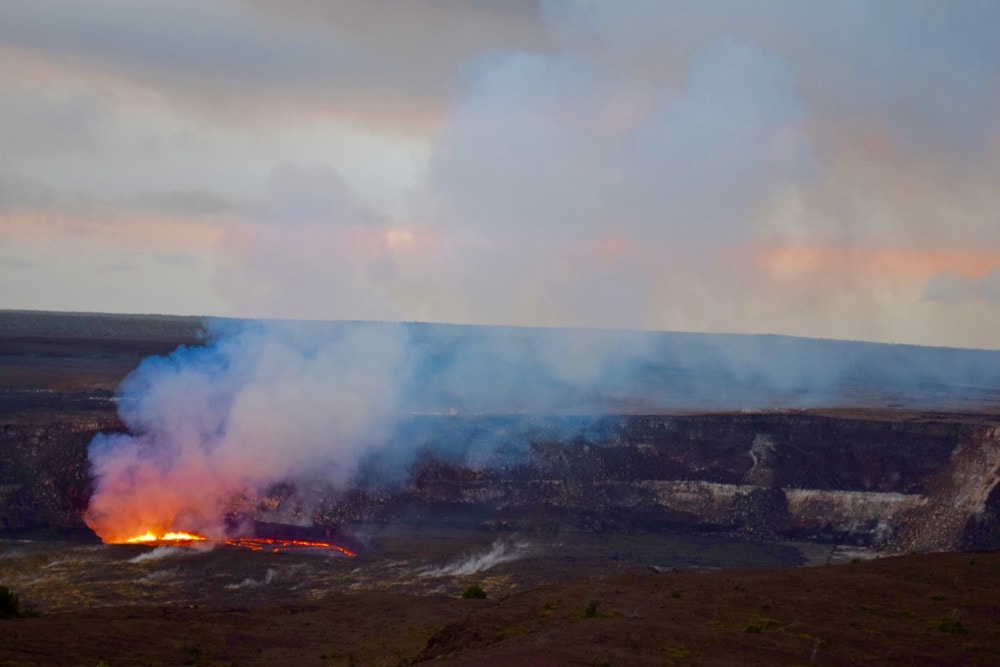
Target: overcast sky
<point>807,168</point>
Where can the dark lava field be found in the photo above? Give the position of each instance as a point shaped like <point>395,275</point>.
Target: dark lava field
<point>859,532</point>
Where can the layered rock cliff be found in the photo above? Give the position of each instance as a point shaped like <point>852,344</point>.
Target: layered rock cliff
<point>890,481</point>
<point>45,481</point>
<point>919,483</point>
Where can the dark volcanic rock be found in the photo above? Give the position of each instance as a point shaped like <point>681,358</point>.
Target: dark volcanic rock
<point>759,513</point>
<point>906,483</point>
<point>45,480</point>
<point>915,483</point>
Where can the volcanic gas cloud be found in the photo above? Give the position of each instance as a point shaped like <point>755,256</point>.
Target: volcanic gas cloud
<point>307,405</point>
<point>211,427</point>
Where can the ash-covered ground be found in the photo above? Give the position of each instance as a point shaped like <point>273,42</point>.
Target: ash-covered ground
<point>578,599</point>
<point>57,575</point>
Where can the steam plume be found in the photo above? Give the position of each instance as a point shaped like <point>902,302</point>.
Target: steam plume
<point>212,428</point>
<point>501,551</point>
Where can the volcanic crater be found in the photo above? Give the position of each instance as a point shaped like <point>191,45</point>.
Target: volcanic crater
<point>583,524</point>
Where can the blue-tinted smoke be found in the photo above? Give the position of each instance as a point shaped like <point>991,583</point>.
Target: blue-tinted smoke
<point>211,428</point>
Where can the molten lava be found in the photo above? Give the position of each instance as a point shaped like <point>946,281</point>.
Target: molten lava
<point>276,545</point>
<point>150,537</point>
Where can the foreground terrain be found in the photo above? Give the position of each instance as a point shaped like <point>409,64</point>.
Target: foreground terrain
<point>938,609</point>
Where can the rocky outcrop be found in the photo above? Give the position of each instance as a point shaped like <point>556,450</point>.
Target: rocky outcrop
<point>927,483</point>
<point>45,481</point>
<point>957,510</point>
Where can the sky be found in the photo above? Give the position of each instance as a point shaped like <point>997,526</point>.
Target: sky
<point>802,168</point>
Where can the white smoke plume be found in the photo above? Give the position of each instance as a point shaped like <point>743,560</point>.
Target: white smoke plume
<point>269,576</point>
<point>158,576</point>
<point>212,428</point>
<point>504,550</point>
<point>159,553</point>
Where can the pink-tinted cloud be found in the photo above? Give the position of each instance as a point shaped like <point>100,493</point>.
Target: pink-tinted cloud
<point>758,166</point>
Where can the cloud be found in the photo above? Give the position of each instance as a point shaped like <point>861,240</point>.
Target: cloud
<point>752,166</point>
<point>570,197</point>
<point>317,193</point>
<point>162,39</point>
<point>549,141</point>
<point>950,287</point>
<point>257,59</point>
<point>20,193</point>
<point>16,263</point>
<point>196,203</point>
<point>312,236</point>
<point>905,64</point>
<point>51,123</point>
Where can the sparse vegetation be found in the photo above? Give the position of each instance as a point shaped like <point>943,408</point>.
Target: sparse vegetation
<point>10,605</point>
<point>592,611</point>
<point>551,606</point>
<point>192,655</point>
<point>835,623</point>
<point>760,624</point>
<point>677,651</point>
<point>952,625</point>
<point>474,593</point>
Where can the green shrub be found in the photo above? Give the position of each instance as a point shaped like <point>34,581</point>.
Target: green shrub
<point>10,605</point>
<point>474,593</point>
<point>677,651</point>
<point>760,624</point>
<point>590,611</point>
<point>952,626</point>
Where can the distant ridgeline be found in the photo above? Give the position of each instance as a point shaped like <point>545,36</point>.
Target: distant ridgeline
<point>571,370</point>
<point>112,326</point>
<point>518,369</point>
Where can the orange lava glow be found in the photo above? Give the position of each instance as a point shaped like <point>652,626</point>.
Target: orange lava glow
<point>275,545</point>
<point>150,536</point>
